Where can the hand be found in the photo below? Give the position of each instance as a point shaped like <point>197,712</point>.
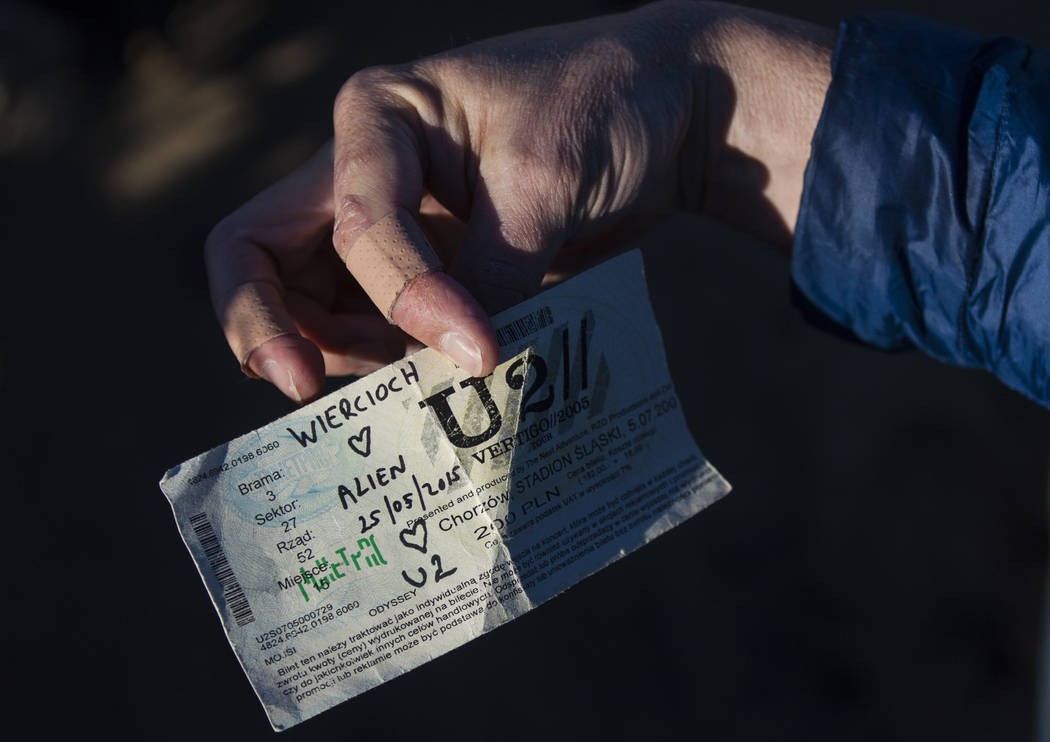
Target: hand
<point>540,151</point>
<point>290,310</point>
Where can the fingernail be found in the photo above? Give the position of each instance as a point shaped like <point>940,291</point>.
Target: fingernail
<point>281,378</point>
<point>463,351</point>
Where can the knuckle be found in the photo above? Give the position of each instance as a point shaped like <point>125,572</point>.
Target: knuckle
<point>373,93</point>
<point>357,157</point>
<point>364,86</point>
<point>352,217</point>
<point>233,254</point>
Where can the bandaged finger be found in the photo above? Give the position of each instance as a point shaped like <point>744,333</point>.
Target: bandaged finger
<point>253,315</point>
<point>388,256</point>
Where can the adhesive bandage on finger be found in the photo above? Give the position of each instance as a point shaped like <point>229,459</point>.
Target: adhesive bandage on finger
<point>388,256</point>
<point>252,317</point>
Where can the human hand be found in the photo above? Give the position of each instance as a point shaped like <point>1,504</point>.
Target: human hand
<point>541,149</point>
<point>289,308</point>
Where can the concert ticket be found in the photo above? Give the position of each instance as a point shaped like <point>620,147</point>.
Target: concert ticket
<point>418,507</point>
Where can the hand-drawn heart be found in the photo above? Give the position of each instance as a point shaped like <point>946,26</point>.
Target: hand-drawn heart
<point>362,442</point>
<point>409,537</point>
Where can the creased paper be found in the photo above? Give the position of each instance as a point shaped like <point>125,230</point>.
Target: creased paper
<point>417,508</point>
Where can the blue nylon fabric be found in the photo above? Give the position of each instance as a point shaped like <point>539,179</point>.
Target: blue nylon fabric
<point>925,215</point>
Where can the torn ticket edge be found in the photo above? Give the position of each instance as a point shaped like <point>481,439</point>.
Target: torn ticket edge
<point>417,508</point>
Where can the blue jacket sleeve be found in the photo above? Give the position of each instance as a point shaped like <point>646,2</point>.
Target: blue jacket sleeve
<point>925,216</point>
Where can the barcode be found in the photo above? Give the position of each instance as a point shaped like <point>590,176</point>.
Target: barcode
<point>231,589</point>
<point>524,326</point>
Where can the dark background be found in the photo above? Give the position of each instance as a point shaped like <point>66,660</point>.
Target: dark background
<point>877,573</point>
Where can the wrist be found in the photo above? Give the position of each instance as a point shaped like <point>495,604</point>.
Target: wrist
<point>759,82</point>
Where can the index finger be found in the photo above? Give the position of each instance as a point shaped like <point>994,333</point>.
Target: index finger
<point>380,154</point>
